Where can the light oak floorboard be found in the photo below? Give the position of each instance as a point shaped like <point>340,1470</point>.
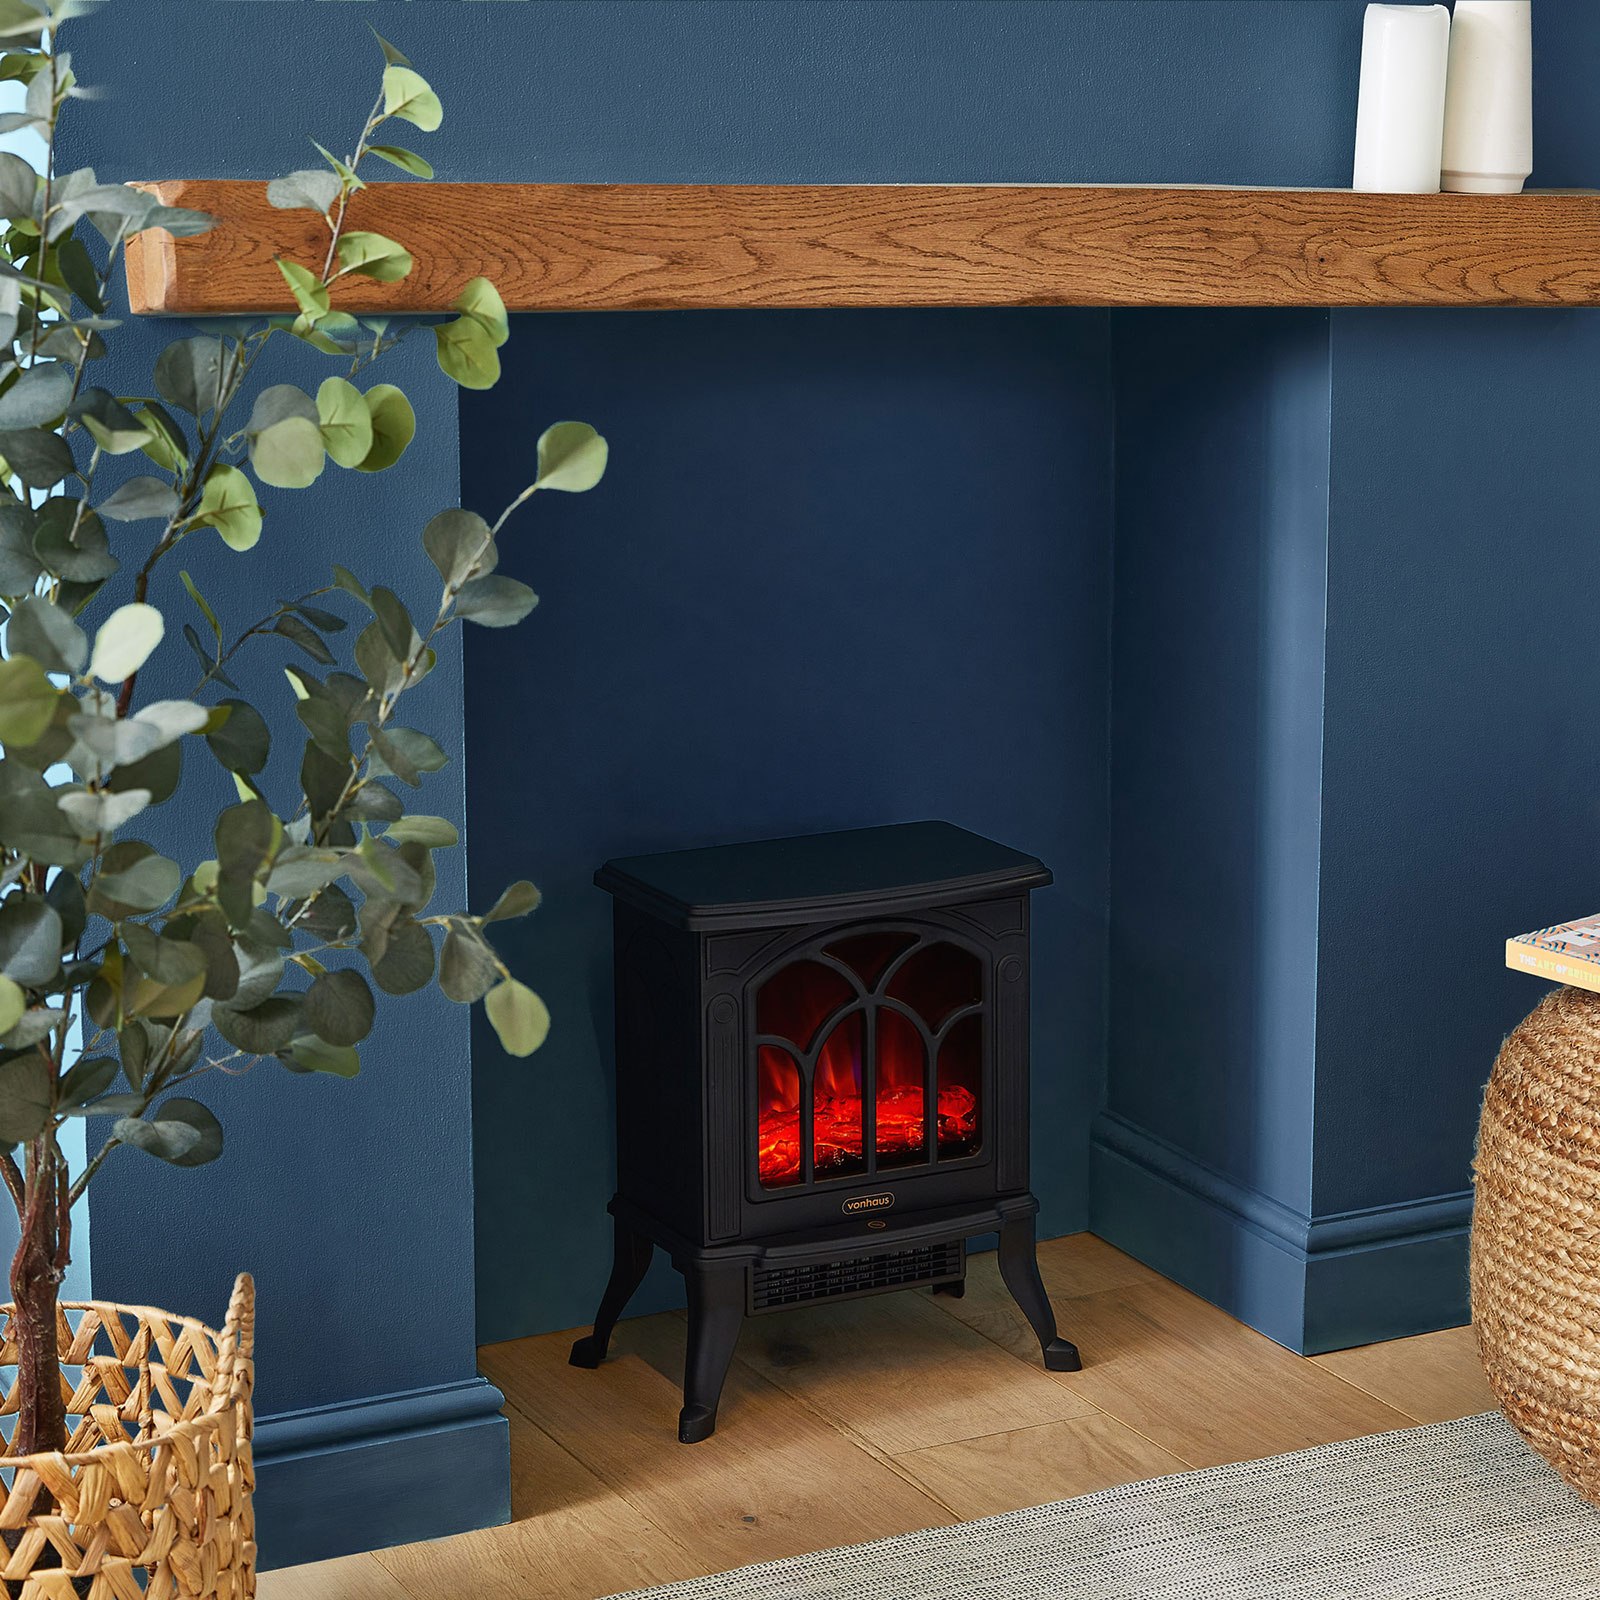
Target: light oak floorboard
<point>1184,1374</point>
<point>897,1372</point>
<point>775,1480</point>
<point>1033,1466</point>
<point>571,1538</point>
<point>1434,1377</point>
<point>347,1578</point>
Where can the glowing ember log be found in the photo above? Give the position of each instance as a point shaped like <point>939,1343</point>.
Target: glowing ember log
<point>837,1130</point>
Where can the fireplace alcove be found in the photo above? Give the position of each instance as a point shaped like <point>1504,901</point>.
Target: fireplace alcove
<point>1062,574</point>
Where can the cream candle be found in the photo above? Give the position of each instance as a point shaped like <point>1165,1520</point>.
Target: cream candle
<point>1405,51</point>
<point>1488,107</point>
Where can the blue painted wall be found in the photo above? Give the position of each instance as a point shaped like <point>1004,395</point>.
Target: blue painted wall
<point>348,1201</point>
<point>1462,577</point>
<point>845,569</point>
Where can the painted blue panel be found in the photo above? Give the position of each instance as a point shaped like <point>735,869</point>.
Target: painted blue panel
<point>845,569</point>
<point>1460,759</point>
<point>1222,452</point>
<point>775,91</point>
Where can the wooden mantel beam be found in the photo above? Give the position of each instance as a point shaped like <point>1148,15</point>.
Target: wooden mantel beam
<point>614,247</point>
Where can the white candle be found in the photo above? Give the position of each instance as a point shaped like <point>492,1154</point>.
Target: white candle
<point>1405,51</point>
<point>1488,107</point>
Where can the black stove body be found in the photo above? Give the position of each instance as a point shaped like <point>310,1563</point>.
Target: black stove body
<point>822,1078</point>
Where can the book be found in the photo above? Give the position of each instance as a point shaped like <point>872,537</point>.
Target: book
<point>1569,952</point>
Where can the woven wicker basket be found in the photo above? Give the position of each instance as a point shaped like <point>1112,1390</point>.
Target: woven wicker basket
<point>156,1475</point>
<point>1536,1234</point>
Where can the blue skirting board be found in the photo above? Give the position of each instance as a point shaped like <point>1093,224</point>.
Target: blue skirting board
<point>1311,1283</point>
<point>381,1471</point>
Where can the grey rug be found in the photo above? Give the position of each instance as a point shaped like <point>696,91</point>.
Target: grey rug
<point>1458,1509</point>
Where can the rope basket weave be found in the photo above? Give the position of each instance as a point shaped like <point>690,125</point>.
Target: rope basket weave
<point>152,1495</point>
<point>1536,1234</point>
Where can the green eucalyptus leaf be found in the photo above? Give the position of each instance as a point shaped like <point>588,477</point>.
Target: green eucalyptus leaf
<point>495,601</point>
<point>40,395</point>
<point>86,1080</point>
<point>332,915</point>
<point>289,454</point>
<point>572,457</point>
<point>390,54</point>
<point>306,287</point>
<point>373,256</point>
<point>98,816</point>
<point>247,839</point>
<point>406,753</point>
<point>407,95</point>
<point>519,1017</point>
<point>44,631</point>
<point>26,1082</point>
<point>435,833</point>
<point>30,940</point>
<point>398,630</point>
<point>133,878</point>
<point>41,459</point>
<point>114,428</point>
<point>31,820</point>
<point>378,663</point>
<point>481,301</point>
<point>311,189</point>
<point>65,894</point>
<point>125,640</point>
<point>345,422</point>
<point>516,901</point>
<point>339,1007</point>
<point>19,566</point>
<point>407,961</point>
<point>228,504</point>
<point>13,1002</point>
<point>467,353</point>
<point>19,184</point>
<point>262,1029</point>
<point>27,701</point>
<point>293,629</point>
<point>79,272</point>
<point>406,160</point>
<point>31,1027</point>
<point>140,498</point>
<point>468,968</point>
<point>243,742</point>
<point>311,1054</point>
<point>168,1141</point>
<point>189,374</point>
<point>72,544</point>
<point>460,545</point>
<point>394,425</point>
<point>166,960</point>
<point>157,774</point>
<point>183,1112</point>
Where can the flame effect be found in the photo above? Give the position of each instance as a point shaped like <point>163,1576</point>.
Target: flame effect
<point>837,1118</point>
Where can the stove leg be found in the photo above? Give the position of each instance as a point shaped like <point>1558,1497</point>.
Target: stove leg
<point>1020,1270</point>
<point>628,1266</point>
<point>716,1312</point>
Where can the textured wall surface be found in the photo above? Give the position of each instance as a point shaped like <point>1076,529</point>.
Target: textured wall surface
<point>846,568</point>
<point>815,464</point>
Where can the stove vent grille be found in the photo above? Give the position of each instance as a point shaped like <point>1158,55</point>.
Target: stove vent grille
<point>772,1288</point>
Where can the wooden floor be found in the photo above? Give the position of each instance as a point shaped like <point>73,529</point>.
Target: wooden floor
<point>855,1421</point>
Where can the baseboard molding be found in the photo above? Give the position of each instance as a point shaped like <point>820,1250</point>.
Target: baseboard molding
<point>387,1470</point>
<point>1311,1283</point>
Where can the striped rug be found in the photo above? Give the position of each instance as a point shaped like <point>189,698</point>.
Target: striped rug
<point>1455,1511</point>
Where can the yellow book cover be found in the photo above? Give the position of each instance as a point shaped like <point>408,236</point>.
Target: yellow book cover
<point>1569,952</point>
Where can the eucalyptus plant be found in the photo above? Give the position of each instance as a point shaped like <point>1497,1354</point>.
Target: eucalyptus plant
<point>126,975</point>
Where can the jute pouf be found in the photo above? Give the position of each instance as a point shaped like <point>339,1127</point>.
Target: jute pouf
<point>1536,1234</point>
